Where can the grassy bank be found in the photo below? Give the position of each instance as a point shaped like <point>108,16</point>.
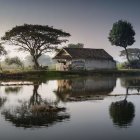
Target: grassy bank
<point>65,74</point>
<point>35,75</point>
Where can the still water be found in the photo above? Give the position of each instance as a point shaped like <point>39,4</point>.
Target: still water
<point>96,108</point>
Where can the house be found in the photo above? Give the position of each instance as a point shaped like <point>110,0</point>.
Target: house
<point>84,59</point>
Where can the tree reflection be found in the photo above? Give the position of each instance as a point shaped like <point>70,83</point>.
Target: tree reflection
<point>35,113</point>
<point>12,89</point>
<point>122,112</point>
<point>2,101</point>
<point>131,83</point>
<point>35,98</point>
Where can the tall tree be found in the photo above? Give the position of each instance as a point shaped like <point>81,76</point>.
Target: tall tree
<point>35,39</point>
<point>122,34</point>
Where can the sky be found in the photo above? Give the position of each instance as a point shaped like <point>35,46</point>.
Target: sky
<point>88,21</point>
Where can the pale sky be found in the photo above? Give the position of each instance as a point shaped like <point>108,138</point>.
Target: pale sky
<point>88,21</point>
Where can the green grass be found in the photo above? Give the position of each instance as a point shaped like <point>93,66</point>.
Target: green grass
<point>66,74</point>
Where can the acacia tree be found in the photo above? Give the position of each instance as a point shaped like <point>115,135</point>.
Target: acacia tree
<point>122,34</point>
<point>35,39</point>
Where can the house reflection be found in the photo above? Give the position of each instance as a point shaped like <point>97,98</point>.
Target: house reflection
<point>84,87</point>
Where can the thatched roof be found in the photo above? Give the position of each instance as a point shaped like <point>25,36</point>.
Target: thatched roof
<point>83,53</point>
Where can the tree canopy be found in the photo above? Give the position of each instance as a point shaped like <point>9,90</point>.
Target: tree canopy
<point>35,39</point>
<point>134,53</point>
<point>122,34</point>
<point>134,57</point>
<point>2,50</point>
<point>78,45</point>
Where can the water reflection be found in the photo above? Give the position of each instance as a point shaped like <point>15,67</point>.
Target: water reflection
<point>131,83</point>
<point>35,112</point>
<point>80,89</point>
<point>123,112</point>
<point>35,98</point>
<point>2,101</point>
<point>24,116</point>
<point>10,89</point>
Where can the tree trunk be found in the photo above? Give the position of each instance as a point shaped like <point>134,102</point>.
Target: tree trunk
<point>127,56</point>
<point>126,94</point>
<point>36,64</point>
<point>1,67</point>
<point>35,98</point>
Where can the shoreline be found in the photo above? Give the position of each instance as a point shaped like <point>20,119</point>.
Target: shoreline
<point>67,74</point>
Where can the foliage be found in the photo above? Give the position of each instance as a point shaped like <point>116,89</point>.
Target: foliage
<point>35,39</point>
<point>14,60</point>
<point>78,45</point>
<point>122,34</point>
<point>71,45</point>
<point>2,50</point>
<point>134,54</point>
<point>134,64</point>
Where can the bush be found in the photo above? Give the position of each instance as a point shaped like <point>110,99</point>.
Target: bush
<point>134,64</point>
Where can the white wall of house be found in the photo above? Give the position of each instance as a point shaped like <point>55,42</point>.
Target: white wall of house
<point>59,67</point>
<point>91,64</point>
<point>62,67</point>
<point>88,64</point>
<point>78,64</point>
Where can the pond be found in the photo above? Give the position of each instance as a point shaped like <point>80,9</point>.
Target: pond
<point>90,108</point>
